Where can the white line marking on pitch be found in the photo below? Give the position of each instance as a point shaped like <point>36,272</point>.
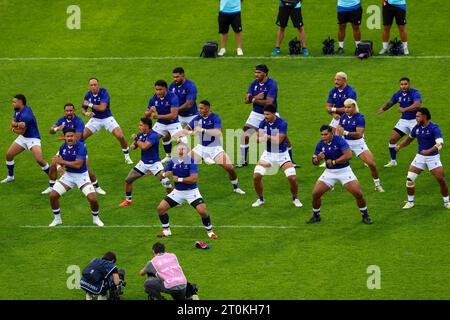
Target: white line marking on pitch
<point>159,226</point>
<point>198,58</point>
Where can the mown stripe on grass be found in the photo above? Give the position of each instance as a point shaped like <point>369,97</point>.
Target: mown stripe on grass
<point>159,226</point>
<point>221,58</point>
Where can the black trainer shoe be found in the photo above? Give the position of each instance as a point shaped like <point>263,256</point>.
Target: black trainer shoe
<point>340,50</point>
<point>313,219</point>
<point>241,165</point>
<point>366,219</point>
<point>296,165</point>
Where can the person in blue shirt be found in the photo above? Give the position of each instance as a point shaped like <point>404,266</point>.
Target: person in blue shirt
<point>100,276</point>
<point>24,125</point>
<point>163,106</point>
<point>409,100</point>
<point>208,126</point>
<point>184,172</point>
<point>273,131</point>
<point>292,9</point>
<point>349,11</point>
<point>230,15</point>
<point>430,142</point>
<point>336,97</point>
<point>394,9</point>
<point>98,101</point>
<point>148,142</point>
<point>186,92</point>
<point>71,121</point>
<point>337,154</point>
<point>352,125</point>
<point>261,92</point>
<point>72,156</point>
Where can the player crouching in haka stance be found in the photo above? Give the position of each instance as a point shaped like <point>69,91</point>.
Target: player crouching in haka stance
<point>430,141</point>
<point>273,131</point>
<point>185,176</point>
<point>352,125</point>
<point>336,152</point>
<point>208,126</point>
<point>72,155</point>
<point>148,141</point>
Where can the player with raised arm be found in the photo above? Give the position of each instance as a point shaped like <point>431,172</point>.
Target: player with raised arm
<point>336,153</point>
<point>409,100</point>
<point>163,107</point>
<point>72,156</point>
<point>352,125</point>
<point>71,121</point>
<point>185,175</point>
<point>208,126</point>
<point>96,106</point>
<point>24,125</point>
<point>148,142</point>
<point>273,131</point>
<point>430,141</point>
<point>262,91</point>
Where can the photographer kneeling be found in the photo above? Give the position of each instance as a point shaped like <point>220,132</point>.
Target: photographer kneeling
<point>102,276</point>
<point>164,275</point>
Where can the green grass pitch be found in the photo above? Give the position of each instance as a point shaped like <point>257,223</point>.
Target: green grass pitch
<point>324,261</point>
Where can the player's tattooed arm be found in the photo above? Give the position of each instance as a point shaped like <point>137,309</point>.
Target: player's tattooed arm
<point>55,128</point>
<point>260,101</point>
<point>317,158</point>
<point>191,179</point>
<point>210,132</point>
<point>183,133</point>
<point>346,156</point>
<point>148,112</point>
<point>186,106</point>
<point>261,136</point>
<point>99,107</point>
<point>386,107</point>
<point>355,135</point>
<point>143,145</point>
<point>166,174</point>
<point>404,143</point>
<point>415,106</point>
<point>133,145</point>
<point>331,109</point>
<point>77,164</point>
<point>172,115</point>
<point>18,127</point>
<point>277,139</point>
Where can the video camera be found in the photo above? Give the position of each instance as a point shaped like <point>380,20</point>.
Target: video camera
<point>115,291</point>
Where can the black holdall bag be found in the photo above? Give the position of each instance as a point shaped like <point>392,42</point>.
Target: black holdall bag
<point>294,46</point>
<point>328,46</point>
<point>209,50</point>
<point>395,48</point>
<point>364,49</point>
<point>290,3</point>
